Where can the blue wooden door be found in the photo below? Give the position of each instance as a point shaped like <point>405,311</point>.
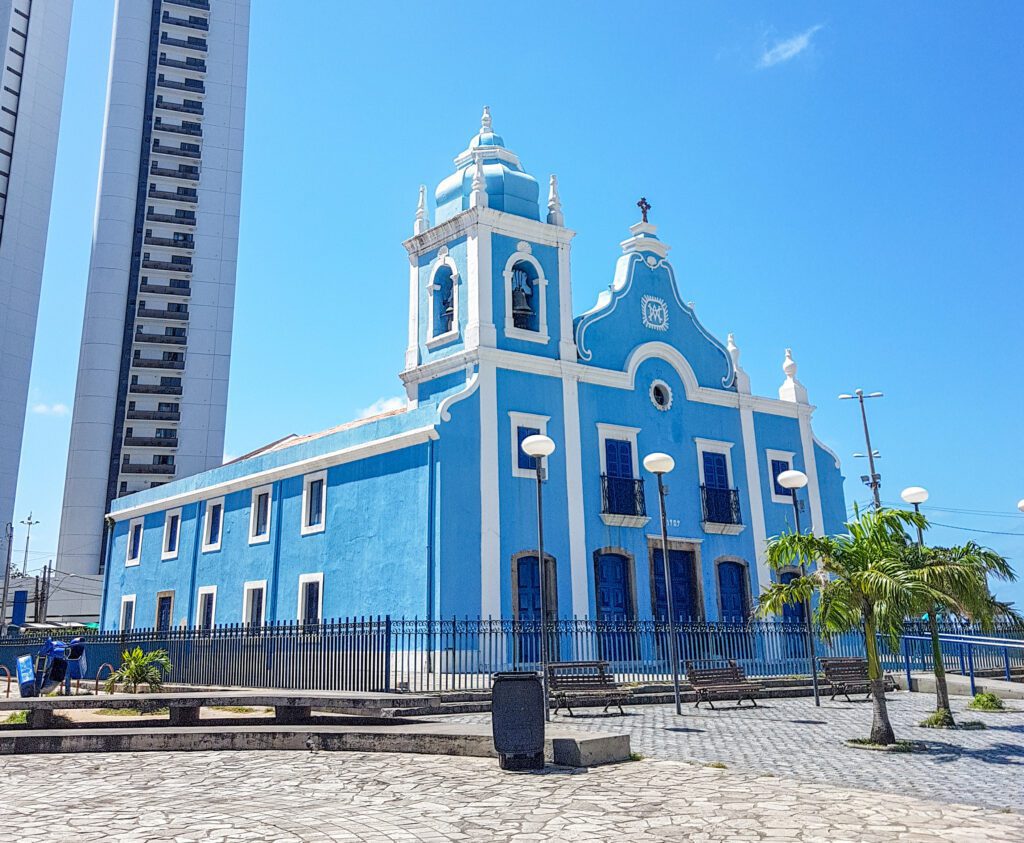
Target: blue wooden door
<point>716,474</point>
<point>163,612</point>
<point>684,589</point>
<point>732,591</point>
<point>618,459</point>
<point>615,607</point>
<point>528,603</point>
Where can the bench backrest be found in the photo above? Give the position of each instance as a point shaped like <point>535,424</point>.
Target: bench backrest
<point>845,668</point>
<point>704,676</point>
<point>580,675</point>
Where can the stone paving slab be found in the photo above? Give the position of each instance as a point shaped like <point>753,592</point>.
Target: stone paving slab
<point>792,738</point>
<point>228,797</point>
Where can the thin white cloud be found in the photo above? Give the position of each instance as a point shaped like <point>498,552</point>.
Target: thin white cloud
<point>44,409</point>
<point>381,405</point>
<point>783,51</point>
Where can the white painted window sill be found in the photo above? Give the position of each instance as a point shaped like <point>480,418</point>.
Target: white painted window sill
<point>625,520</point>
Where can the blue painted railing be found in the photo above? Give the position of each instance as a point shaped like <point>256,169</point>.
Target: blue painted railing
<point>965,654</point>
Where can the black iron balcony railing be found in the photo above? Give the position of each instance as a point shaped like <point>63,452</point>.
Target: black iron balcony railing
<point>165,290</point>
<point>134,468</point>
<point>172,196</point>
<point>198,45</point>
<point>154,415</point>
<point>622,496</point>
<point>159,339</point>
<point>188,175</point>
<point>721,506</point>
<point>154,389</point>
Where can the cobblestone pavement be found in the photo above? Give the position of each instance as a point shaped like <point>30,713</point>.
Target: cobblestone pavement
<point>298,796</point>
<point>792,738</point>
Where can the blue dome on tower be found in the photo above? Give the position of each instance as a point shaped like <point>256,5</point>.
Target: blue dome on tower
<point>507,186</point>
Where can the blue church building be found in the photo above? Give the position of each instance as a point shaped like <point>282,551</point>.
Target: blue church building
<point>430,511</point>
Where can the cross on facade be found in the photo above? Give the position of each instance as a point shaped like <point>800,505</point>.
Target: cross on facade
<point>644,207</point>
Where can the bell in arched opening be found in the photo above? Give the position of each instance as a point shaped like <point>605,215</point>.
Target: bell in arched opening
<point>522,313</point>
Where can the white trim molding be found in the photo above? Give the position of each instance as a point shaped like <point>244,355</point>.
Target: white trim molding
<point>442,261</point>
<point>303,580</point>
<point>129,559</point>
<point>578,568</point>
<point>490,496</point>
<point>539,292</point>
<point>308,480</point>
<point>257,492</point>
<point>165,551</point>
<point>247,588</point>
<point>202,592</point>
<point>126,598</point>
<point>755,495</point>
<point>207,545</point>
<point>666,389</point>
<point>773,454</point>
<point>518,420</point>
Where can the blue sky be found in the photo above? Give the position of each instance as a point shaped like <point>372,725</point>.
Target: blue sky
<point>843,180</point>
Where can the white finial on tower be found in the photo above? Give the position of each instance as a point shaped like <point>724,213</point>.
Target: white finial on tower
<point>485,121</point>
<point>478,189</point>
<point>422,221</point>
<point>555,215</point>
<point>742,378</point>
<point>792,389</point>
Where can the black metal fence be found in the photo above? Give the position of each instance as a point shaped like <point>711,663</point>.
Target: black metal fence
<point>382,653</point>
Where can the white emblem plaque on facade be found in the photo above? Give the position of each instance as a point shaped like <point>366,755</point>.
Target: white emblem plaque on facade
<point>654,313</point>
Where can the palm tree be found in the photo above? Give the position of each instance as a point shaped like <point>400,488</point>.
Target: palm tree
<point>960,576</point>
<point>862,581</point>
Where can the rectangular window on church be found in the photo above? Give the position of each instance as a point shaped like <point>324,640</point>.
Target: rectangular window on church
<point>259,515</point>
<point>213,524</point>
<point>172,530</point>
<point>523,425</point>
<point>779,461</point>
<point>314,503</point>
<point>133,554</point>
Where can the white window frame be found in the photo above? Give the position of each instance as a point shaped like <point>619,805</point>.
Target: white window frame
<point>204,590</point>
<point>714,446</point>
<point>668,389</point>
<point>167,592</point>
<point>307,482</point>
<point>248,587</point>
<point>129,560</point>
<point>618,431</point>
<point>259,490</point>
<point>126,598</point>
<point>772,454</point>
<point>523,255</point>
<point>166,554</point>
<point>209,547</point>
<point>300,603</point>
<point>519,420</point>
<point>433,287</point>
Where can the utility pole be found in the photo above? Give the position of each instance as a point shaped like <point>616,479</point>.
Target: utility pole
<point>874,479</point>
<point>28,536</point>
<point>47,580</point>
<point>9,536</point>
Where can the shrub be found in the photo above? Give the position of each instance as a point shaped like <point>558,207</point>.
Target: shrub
<point>986,702</point>
<point>138,668</point>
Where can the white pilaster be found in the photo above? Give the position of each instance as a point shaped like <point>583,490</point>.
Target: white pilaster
<point>567,343</point>
<point>490,520</point>
<point>412,350</point>
<point>574,495</point>
<point>811,470</point>
<point>757,526</point>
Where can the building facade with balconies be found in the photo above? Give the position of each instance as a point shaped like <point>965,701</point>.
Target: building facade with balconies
<point>430,511</point>
<point>151,398</point>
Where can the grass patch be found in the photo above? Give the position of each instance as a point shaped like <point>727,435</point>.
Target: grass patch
<point>986,702</point>
<point>717,765</point>
<point>899,746</point>
<point>971,725</point>
<point>237,709</point>
<point>17,718</point>
<point>941,719</point>
<point>636,756</point>
<point>129,712</point>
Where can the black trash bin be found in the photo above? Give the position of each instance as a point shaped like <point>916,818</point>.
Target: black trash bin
<point>517,720</point>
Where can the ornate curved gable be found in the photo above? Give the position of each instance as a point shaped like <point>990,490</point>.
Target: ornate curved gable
<point>643,308</point>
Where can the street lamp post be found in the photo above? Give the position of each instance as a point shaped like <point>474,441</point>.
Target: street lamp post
<point>1020,504</point>
<point>9,536</point>
<point>660,465</point>
<point>539,446</point>
<point>916,495</point>
<point>793,480</point>
<point>874,481</point>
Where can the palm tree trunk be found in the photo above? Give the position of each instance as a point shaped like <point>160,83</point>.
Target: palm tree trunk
<point>881,728</point>
<point>938,668</point>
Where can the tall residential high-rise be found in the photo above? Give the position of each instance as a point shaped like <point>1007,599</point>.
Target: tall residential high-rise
<point>34,45</point>
<point>151,397</point>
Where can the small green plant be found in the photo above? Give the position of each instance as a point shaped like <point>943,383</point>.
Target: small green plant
<point>138,668</point>
<point>235,709</point>
<point>17,718</point>
<point>635,756</point>
<point>718,765</point>
<point>986,702</point>
<point>129,712</point>
<point>941,719</point>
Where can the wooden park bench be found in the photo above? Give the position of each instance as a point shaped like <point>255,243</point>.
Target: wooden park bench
<point>845,675</point>
<point>721,682</point>
<point>577,681</point>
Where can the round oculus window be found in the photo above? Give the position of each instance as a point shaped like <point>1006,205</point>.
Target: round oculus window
<point>661,395</point>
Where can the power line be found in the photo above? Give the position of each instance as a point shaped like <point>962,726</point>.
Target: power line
<point>975,529</point>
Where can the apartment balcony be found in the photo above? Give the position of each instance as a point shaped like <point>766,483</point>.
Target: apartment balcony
<point>185,108</point>
<point>160,149</point>
<point>721,511</point>
<point>197,66</point>
<point>153,389</point>
<point>168,265</point>
<point>172,196</point>
<point>153,216</point>
<point>153,415</point>
<point>178,129</point>
<point>192,86</point>
<point>146,363</point>
<point>187,175</point>
<point>199,46</point>
<point>170,242</point>
<point>165,290</point>
<point>153,313</point>
<point>137,468</point>
<point>159,339</point>
<point>191,4</point>
<point>189,23</point>
<point>622,502</point>
<point>151,441</point>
